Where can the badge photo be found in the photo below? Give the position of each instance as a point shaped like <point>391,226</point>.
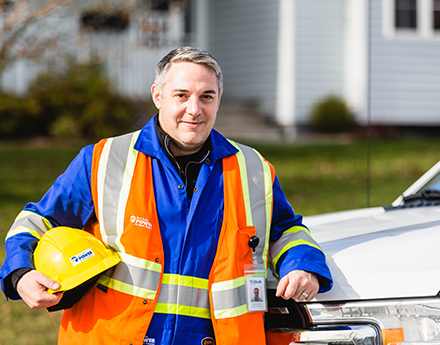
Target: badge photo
<point>256,293</point>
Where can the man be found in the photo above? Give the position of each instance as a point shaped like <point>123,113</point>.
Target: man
<point>256,297</point>
<point>182,206</point>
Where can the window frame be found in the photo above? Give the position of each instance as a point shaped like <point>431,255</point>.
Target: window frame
<point>433,16</point>
<point>424,22</point>
<point>396,18</point>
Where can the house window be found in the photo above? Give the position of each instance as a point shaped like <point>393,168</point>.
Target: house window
<point>436,15</point>
<point>113,20</point>
<point>405,14</point>
<point>411,19</point>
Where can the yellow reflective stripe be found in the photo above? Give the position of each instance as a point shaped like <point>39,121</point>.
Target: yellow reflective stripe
<point>244,184</point>
<point>126,288</point>
<point>268,192</point>
<point>291,245</point>
<point>102,170</point>
<point>176,279</point>
<point>186,281</point>
<point>22,230</point>
<point>256,180</point>
<point>228,284</point>
<point>141,263</point>
<point>296,229</point>
<point>19,229</point>
<point>125,189</point>
<point>237,311</point>
<point>24,214</point>
<point>134,276</point>
<point>166,308</point>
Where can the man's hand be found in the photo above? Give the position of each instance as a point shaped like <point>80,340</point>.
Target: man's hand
<point>32,288</point>
<point>299,285</point>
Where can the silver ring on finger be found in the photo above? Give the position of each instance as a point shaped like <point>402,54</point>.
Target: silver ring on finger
<point>305,294</point>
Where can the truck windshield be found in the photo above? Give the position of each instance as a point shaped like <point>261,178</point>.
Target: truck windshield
<point>433,184</point>
<point>429,194</point>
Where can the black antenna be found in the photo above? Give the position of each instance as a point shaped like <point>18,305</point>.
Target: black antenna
<point>368,182</point>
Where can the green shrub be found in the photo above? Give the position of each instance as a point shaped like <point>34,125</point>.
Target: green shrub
<point>82,103</point>
<point>331,115</point>
<point>19,116</point>
<point>78,102</point>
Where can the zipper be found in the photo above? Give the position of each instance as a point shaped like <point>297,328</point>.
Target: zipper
<point>167,142</point>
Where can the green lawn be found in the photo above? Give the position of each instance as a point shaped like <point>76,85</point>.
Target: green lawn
<point>25,174</point>
<point>316,178</point>
<point>326,178</point>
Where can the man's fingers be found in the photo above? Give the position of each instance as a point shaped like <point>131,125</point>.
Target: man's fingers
<point>32,288</point>
<point>307,295</point>
<point>47,282</point>
<point>287,287</point>
<point>282,286</point>
<point>299,285</point>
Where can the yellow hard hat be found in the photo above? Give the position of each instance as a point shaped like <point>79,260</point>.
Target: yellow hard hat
<point>72,257</point>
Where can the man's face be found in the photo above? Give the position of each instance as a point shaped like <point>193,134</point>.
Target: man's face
<point>256,293</point>
<point>188,105</point>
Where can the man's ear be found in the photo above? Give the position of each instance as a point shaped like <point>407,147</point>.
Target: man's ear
<point>220,96</point>
<point>155,94</point>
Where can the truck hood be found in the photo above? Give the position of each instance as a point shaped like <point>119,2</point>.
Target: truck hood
<point>377,253</point>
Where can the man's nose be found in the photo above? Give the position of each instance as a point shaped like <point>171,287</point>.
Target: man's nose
<point>194,106</point>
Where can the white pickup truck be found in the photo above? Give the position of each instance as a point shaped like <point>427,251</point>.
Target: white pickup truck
<point>385,263</point>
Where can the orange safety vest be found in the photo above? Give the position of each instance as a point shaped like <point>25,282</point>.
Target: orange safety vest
<point>119,308</point>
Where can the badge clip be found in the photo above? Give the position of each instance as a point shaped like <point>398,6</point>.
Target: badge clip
<point>255,274</point>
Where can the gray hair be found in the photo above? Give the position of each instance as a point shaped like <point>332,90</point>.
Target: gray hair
<point>187,54</point>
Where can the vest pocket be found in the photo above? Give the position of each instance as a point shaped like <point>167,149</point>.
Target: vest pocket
<point>243,236</point>
<point>247,231</point>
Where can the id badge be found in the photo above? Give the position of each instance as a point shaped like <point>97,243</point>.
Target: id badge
<point>255,287</point>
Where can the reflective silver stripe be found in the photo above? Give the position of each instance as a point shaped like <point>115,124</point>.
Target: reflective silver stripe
<point>287,237</point>
<point>183,295</point>
<point>134,276</point>
<point>115,168</point>
<point>29,222</point>
<point>257,194</point>
<point>298,235</point>
<point>229,299</point>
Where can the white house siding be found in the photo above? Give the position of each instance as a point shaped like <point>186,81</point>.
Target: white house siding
<point>319,47</point>
<point>17,77</point>
<point>20,73</point>
<point>129,60</point>
<point>133,65</point>
<point>356,58</point>
<point>130,65</point>
<point>405,77</point>
<point>243,38</point>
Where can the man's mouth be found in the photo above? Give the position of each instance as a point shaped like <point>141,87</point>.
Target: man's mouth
<point>192,124</point>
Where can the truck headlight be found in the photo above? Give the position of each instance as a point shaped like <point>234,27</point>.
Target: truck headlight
<point>381,322</point>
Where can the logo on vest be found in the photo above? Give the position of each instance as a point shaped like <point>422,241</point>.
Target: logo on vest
<point>81,257</point>
<point>139,221</point>
<point>149,341</point>
<point>207,341</point>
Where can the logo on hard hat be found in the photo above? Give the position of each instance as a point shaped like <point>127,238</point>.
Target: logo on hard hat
<point>81,257</point>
